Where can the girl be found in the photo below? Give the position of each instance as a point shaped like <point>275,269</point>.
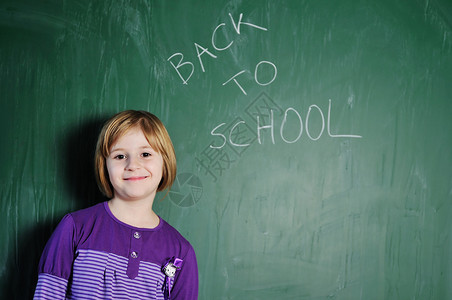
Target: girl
<point>121,249</point>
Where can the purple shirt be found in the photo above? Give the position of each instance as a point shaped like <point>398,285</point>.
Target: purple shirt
<point>93,255</point>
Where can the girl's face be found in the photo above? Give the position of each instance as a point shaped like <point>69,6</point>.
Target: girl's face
<point>134,168</point>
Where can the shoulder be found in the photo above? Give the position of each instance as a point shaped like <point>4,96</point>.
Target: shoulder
<point>83,215</point>
<point>173,232</point>
<point>173,236</point>
<point>89,211</point>
<point>87,221</point>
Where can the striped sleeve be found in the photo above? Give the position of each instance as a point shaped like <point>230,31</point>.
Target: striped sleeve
<point>55,266</point>
<point>50,287</point>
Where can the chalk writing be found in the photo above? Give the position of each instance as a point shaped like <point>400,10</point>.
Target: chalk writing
<point>275,71</point>
<point>231,140</point>
<point>262,106</point>
<point>214,162</point>
<point>185,69</point>
<point>226,137</point>
<point>235,137</point>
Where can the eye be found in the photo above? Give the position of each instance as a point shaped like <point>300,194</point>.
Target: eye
<point>119,156</point>
<point>146,154</point>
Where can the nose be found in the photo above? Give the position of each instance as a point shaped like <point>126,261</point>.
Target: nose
<point>132,164</point>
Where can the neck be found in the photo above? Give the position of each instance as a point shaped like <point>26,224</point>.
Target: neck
<point>134,213</point>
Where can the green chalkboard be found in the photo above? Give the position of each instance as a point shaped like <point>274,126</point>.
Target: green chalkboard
<point>313,137</point>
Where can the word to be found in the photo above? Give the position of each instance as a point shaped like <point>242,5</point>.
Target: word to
<point>303,126</point>
<point>181,65</point>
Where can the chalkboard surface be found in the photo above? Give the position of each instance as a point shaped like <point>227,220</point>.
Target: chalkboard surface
<point>313,137</point>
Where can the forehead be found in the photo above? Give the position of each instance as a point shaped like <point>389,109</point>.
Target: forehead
<point>130,138</point>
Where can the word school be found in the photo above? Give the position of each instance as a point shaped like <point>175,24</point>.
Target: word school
<point>303,126</point>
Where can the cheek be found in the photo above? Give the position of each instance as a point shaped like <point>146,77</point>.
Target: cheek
<point>112,169</point>
<point>159,168</point>
<point>109,167</point>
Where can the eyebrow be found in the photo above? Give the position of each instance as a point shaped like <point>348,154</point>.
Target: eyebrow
<point>123,149</point>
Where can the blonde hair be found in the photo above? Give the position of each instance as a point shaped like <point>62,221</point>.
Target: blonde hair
<point>155,133</point>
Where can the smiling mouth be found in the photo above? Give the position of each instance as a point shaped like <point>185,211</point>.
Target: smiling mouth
<point>136,178</point>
